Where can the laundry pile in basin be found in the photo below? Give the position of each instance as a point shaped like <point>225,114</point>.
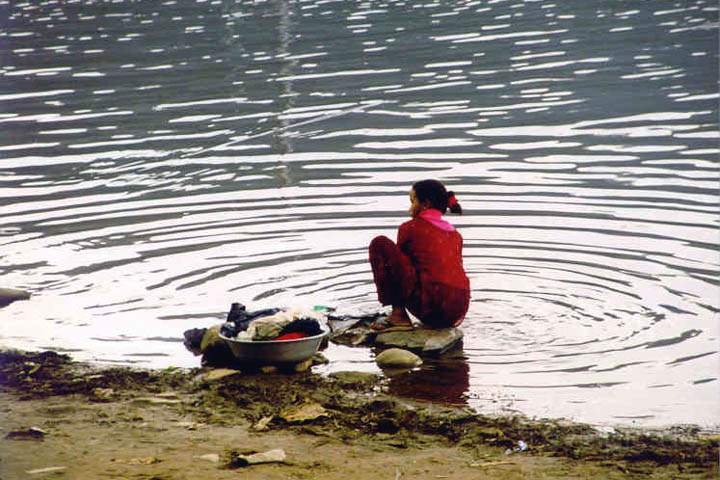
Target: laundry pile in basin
<point>272,324</point>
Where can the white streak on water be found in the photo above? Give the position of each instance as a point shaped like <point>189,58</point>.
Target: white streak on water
<point>51,93</point>
<point>344,73</point>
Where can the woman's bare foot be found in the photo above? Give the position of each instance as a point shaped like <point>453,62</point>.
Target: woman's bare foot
<point>397,318</point>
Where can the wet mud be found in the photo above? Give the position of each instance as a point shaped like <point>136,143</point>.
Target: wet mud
<point>351,407</point>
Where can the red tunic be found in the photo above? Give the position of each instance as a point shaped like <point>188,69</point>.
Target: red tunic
<point>435,253</point>
<point>423,272</point>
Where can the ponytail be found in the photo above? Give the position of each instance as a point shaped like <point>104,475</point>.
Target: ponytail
<point>434,192</point>
<point>452,204</point>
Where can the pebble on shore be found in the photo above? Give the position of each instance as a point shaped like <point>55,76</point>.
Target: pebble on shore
<point>397,358</point>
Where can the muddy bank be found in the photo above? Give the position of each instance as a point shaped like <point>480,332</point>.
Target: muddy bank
<point>352,409</point>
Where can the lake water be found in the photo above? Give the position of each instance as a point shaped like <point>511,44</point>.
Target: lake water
<point>160,160</point>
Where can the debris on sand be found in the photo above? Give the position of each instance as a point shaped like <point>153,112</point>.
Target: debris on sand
<point>219,373</point>
<point>143,461</point>
<point>32,433</point>
<point>520,447</point>
<point>347,406</point>
<point>46,470</point>
<point>103,394</point>
<point>237,459</point>
<point>210,457</point>
<point>303,413</point>
<point>262,424</point>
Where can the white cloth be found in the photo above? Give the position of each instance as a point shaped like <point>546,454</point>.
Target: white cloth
<point>267,328</point>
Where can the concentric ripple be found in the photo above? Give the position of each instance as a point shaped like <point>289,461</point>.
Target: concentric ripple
<point>158,162</point>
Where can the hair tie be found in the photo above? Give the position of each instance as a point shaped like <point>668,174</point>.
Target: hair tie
<point>452,201</point>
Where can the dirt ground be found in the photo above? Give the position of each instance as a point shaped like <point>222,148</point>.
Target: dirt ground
<point>176,424</point>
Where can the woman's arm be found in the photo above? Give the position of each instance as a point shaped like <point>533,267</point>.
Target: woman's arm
<point>404,237</point>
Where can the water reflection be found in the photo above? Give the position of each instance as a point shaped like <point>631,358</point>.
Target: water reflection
<point>445,380</point>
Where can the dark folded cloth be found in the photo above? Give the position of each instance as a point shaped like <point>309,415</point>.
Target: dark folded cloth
<point>238,319</point>
<point>193,339</point>
<point>309,326</point>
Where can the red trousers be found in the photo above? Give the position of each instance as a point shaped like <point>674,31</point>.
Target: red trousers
<point>400,285</point>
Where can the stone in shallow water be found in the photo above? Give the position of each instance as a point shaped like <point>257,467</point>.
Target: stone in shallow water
<point>397,358</point>
<point>356,331</point>
<point>319,359</point>
<point>213,348</point>
<point>425,340</point>
<point>211,339</point>
<point>354,336</point>
<point>303,366</point>
<point>9,295</point>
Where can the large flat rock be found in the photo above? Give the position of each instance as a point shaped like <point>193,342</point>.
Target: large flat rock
<point>356,331</point>
<point>424,340</point>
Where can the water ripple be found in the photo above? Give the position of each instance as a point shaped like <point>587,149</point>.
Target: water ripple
<point>157,164</point>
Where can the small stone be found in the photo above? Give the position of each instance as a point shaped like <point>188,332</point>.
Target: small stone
<point>262,424</point>
<point>271,456</point>
<point>267,369</point>
<point>32,433</point>
<point>219,373</point>
<point>210,457</point>
<point>303,366</point>
<point>103,394</point>
<point>397,358</point>
<point>319,359</point>
<point>303,413</point>
<point>354,336</point>
<point>9,295</point>
<point>211,339</point>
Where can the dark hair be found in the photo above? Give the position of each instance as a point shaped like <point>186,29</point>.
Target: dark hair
<point>434,192</point>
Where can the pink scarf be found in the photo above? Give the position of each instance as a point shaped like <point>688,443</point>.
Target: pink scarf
<point>435,217</point>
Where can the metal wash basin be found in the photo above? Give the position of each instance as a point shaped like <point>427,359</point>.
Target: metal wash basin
<point>273,351</point>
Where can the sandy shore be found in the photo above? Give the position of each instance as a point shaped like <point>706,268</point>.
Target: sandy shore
<point>62,419</point>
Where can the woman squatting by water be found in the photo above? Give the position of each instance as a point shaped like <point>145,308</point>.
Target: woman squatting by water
<point>423,272</point>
